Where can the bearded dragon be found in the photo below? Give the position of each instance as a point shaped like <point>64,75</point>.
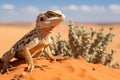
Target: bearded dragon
<point>36,41</point>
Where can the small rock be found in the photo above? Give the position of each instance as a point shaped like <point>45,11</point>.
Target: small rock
<point>93,68</point>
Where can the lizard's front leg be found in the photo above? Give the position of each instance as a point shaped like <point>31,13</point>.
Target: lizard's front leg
<point>28,57</point>
<point>51,57</point>
<point>48,53</point>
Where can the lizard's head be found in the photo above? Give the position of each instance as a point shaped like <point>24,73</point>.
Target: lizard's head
<point>49,19</point>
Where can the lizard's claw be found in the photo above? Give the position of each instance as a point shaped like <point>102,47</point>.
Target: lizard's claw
<point>53,59</point>
<point>6,67</point>
<point>32,66</point>
<point>60,59</point>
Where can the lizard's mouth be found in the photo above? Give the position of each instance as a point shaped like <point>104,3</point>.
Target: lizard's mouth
<point>53,20</point>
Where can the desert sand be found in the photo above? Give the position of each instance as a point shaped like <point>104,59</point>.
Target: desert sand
<point>70,69</point>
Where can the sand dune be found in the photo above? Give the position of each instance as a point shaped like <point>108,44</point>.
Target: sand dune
<point>70,69</point>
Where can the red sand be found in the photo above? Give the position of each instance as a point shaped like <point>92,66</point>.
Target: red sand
<point>70,69</point>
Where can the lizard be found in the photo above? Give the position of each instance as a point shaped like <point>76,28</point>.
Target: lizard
<point>35,42</point>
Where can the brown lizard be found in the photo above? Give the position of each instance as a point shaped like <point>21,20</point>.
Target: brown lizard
<point>36,41</point>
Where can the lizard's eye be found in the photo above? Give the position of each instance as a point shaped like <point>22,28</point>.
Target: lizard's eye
<point>50,15</point>
<point>41,19</point>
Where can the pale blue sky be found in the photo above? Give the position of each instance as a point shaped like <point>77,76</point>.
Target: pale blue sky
<point>78,10</point>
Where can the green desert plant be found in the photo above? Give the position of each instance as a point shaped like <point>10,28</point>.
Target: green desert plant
<point>88,44</point>
<point>74,33</point>
<point>107,58</point>
<point>60,47</point>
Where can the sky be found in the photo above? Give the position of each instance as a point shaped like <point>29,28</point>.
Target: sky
<point>77,10</point>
